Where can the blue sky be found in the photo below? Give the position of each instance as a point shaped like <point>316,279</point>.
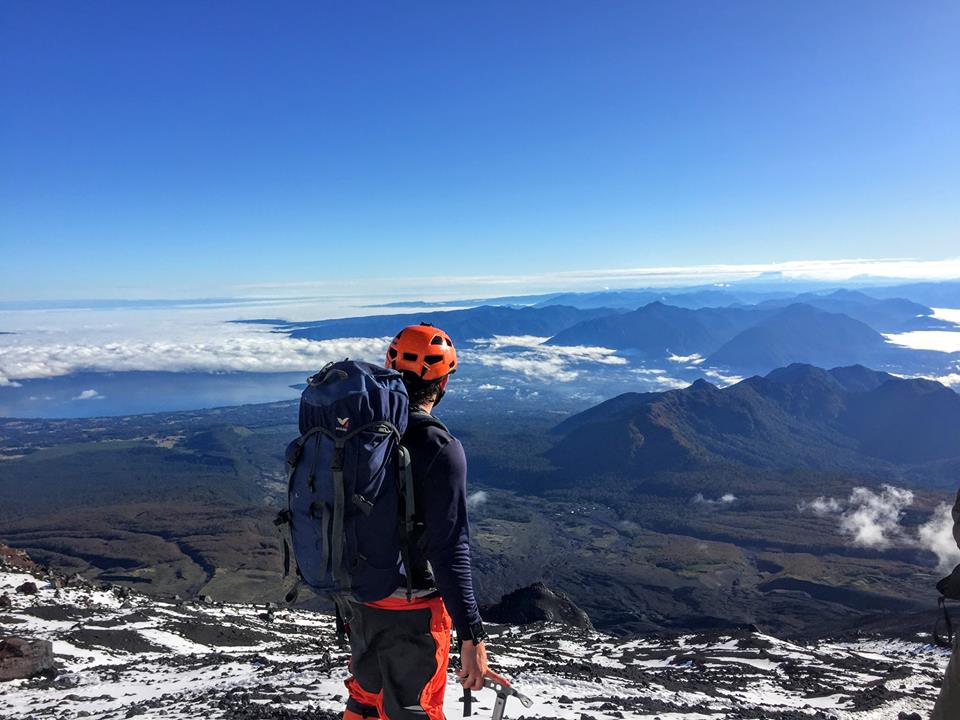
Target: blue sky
<point>202,149</point>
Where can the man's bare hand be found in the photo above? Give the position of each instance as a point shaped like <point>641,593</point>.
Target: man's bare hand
<point>473,665</point>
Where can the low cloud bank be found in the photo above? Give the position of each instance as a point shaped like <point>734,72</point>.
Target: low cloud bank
<point>946,341</point>
<point>950,380</point>
<point>873,519</point>
<point>530,357</point>
<point>259,352</point>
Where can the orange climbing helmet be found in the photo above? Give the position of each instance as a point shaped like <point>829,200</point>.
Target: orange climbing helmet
<point>424,351</point>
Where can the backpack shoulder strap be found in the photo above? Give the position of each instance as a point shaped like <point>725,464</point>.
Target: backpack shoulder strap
<point>417,422</point>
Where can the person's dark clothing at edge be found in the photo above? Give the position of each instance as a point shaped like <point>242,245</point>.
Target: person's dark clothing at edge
<point>948,704</point>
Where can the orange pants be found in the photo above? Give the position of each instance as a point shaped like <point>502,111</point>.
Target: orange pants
<point>399,656</point>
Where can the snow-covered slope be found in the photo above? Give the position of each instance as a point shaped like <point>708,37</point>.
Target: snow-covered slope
<point>123,655</point>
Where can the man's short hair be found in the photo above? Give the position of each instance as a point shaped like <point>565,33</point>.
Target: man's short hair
<point>418,391</point>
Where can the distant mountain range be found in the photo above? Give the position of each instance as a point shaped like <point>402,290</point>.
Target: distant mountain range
<point>886,315</point>
<point>692,298</point>
<point>747,292</point>
<point>845,419</point>
<point>803,333</point>
<point>479,322</point>
<point>841,328</point>
<point>658,329</point>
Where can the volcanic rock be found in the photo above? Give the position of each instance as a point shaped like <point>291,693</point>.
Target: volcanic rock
<point>17,559</point>
<point>21,658</point>
<point>537,603</point>
<point>28,588</point>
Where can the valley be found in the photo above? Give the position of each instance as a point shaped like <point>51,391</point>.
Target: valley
<point>182,504</point>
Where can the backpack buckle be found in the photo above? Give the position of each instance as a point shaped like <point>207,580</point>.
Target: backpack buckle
<point>366,507</point>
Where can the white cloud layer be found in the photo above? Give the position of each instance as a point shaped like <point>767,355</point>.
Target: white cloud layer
<point>873,519</point>
<point>946,341</point>
<point>243,352</point>
<point>950,380</point>
<point>830,270</point>
<point>530,357</point>
<point>939,340</point>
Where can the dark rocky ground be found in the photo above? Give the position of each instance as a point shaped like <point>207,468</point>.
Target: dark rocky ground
<point>121,655</point>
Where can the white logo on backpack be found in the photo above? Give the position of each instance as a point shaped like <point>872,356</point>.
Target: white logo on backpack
<point>343,424</point>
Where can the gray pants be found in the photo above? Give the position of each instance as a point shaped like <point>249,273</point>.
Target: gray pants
<point>948,704</point>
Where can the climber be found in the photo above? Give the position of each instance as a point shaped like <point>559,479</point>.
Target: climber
<point>400,644</point>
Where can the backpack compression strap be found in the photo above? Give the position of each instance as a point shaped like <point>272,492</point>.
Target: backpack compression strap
<point>341,577</point>
<point>407,510</point>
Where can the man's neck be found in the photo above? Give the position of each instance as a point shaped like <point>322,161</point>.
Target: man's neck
<point>426,407</point>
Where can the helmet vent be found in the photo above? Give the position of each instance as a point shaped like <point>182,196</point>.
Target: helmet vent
<point>431,359</point>
<point>393,353</point>
<point>437,340</point>
<point>410,356</point>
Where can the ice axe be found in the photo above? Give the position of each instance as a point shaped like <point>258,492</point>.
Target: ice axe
<point>502,687</point>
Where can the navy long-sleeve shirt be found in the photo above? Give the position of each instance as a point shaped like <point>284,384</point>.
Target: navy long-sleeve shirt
<point>442,535</point>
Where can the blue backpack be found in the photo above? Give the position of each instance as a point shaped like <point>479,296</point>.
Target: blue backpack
<point>350,500</point>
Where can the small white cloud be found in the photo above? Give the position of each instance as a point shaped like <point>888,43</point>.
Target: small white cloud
<point>89,395</point>
<point>820,506</point>
<point>694,359</point>
<point>489,386</point>
<point>725,499</point>
<point>721,379</point>
<point>936,535</point>
<point>873,520</point>
<point>670,383</point>
<point>475,500</point>
<point>659,378</point>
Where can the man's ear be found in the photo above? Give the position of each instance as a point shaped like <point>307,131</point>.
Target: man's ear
<point>441,389</point>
